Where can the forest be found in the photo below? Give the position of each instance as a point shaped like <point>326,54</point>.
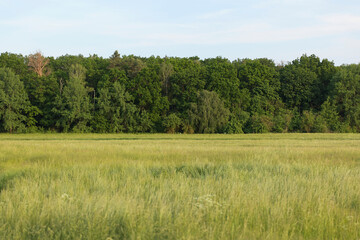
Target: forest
<point>176,95</point>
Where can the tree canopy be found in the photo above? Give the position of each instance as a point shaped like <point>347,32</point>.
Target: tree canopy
<point>14,103</point>
<point>171,94</point>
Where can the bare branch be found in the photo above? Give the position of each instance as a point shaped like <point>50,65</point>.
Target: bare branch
<point>38,63</point>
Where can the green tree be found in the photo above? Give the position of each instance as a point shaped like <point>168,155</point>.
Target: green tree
<point>16,62</point>
<point>172,123</point>
<point>208,114</point>
<point>41,91</point>
<point>166,70</point>
<point>116,107</point>
<point>306,82</point>
<point>130,64</point>
<point>259,124</point>
<point>320,125</point>
<point>145,123</point>
<point>186,81</point>
<point>331,116</point>
<point>282,120</point>
<point>308,121</point>
<point>261,79</point>
<point>61,66</point>
<point>297,87</point>
<point>96,68</point>
<point>73,104</point>
<point>147,94</point>
<point>346,95</point>
<point>221,77</point>
<point>233,126</point>
<point>14,102</point>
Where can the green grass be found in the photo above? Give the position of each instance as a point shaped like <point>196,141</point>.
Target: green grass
<point>121,186</point>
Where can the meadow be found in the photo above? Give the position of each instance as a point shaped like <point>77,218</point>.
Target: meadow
<point>159,186</point>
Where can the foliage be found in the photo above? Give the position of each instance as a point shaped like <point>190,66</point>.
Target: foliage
<point>186,81</point>
<point>14,103</point>
<point>234,126</point>
<point>208,114</point>
<point>166,70</point>
<point>330,115</point>
<point>282,121</point>
<point>259,95</point>
<point>259,124</point>
<point>307,121</point>
<point>221,78</point>
<point>261,79</point>
<point>117,109</point>
<point>172,123</point>
<point>73,104</point>
<point>297,86</point>
<point>346,95</point>
<point>306,82</point>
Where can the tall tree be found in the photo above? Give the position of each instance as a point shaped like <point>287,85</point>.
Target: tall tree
<point>73,105</point>
<point>297,87</point>
<point>221,77</point>
<point>166,70</point>
<point>147,93</point>
<point>208,114</point>
<point>186,82</point>
<point>38,63</point>
<point>346,95</point>
<point>130,64</point>
<point>16,62</point>
<point>116,107</point>
<point>13,101</point>
<point>261,80</point>
<point>306,82</point>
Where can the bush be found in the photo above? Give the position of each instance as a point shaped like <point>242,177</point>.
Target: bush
<point>188,129</point>
<point>260,123</point>
<point>208,114</point>
<point>330,116</point>
<point>307,121</point>
<point>281,121</point>
<point>320,125</point>
<point>172,123</point>
<point>233,126</point>
<point>295,123</point>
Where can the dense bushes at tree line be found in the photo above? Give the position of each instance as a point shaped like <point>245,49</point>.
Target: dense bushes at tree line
<point>134,94</point>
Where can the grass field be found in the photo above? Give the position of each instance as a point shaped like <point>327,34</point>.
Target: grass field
<point>272,186</point>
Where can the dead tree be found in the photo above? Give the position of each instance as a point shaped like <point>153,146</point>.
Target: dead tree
<point>38,63</point>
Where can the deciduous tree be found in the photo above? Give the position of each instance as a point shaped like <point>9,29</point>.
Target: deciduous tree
<point>208,114</point>
<point>116,107</point>
<point>14,101</point>
<point>73,105</point>
<point>38,63</point>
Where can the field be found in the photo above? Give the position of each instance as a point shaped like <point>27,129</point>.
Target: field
<point>121,186</point>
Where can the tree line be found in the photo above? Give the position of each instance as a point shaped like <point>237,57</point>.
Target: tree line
<point>171,94</point>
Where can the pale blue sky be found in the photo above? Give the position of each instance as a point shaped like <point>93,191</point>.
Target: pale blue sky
<point>278,29</point>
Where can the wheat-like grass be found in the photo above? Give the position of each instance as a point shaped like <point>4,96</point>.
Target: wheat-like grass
<point>122,186</point>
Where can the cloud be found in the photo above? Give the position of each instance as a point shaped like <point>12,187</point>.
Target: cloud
<point>213,15</point>
<point>344,22</point>
<point>282,3</point>
<point>192,32</point>
<point>260,32</point>
<point>109,24</point>
<point>42,25</point>
<point>4,2</point>
<point>345,50</point>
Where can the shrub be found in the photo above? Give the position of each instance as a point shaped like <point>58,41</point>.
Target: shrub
<point>172,123</point>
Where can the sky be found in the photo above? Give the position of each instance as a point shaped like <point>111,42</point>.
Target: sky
<point>281,30</point>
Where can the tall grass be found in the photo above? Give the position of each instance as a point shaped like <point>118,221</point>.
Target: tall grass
<point>291,186</point>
